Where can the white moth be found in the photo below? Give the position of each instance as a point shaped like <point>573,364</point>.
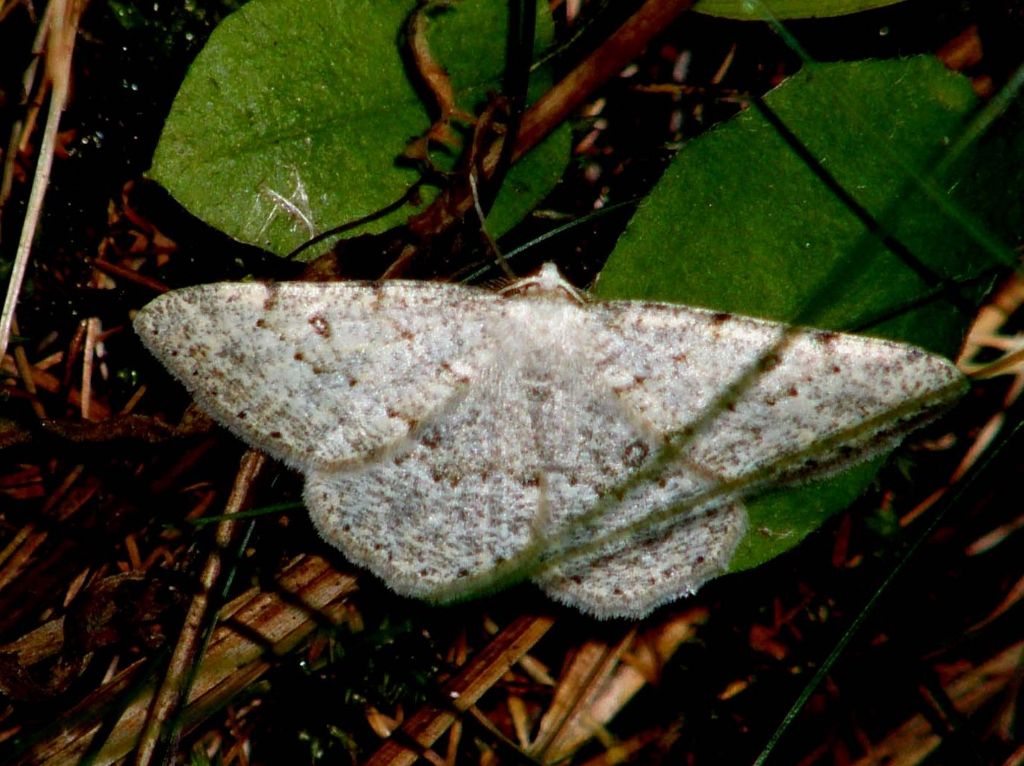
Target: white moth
<point>450,435</point>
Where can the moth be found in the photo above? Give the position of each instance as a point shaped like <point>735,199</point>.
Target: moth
<point>452,436</point>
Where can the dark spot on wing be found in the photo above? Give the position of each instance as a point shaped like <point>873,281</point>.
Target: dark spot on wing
<point>320,326</point>
<point>446,367</point>
<point>410,423</point>
<point>634,455</point>
<point>538,393</point>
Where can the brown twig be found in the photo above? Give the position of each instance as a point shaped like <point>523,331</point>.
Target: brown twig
<point>625,44</point>
<point>482,672</point>
<point>190,643</point>
<point>62,27</point>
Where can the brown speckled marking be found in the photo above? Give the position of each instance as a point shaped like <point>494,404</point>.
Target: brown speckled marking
<point>410,423</point>
<point>635,454</point>
<point>320,326</point>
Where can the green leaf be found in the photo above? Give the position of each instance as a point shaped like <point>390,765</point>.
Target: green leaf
<point>759,10</point>
<point>741,223</point>
<point>308,104</point>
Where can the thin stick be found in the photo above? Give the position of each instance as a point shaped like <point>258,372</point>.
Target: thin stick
<point>61,37</point>
<point>625,44</point>
<point>190,644</point>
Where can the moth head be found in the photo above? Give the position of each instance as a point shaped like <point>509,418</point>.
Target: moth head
<point>548,282</point>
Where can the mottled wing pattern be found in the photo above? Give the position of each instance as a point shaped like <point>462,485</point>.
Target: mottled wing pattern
<point>319,375</point>
<point>528,449</point>
<point>742,394</point>
<point>727,399</point>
